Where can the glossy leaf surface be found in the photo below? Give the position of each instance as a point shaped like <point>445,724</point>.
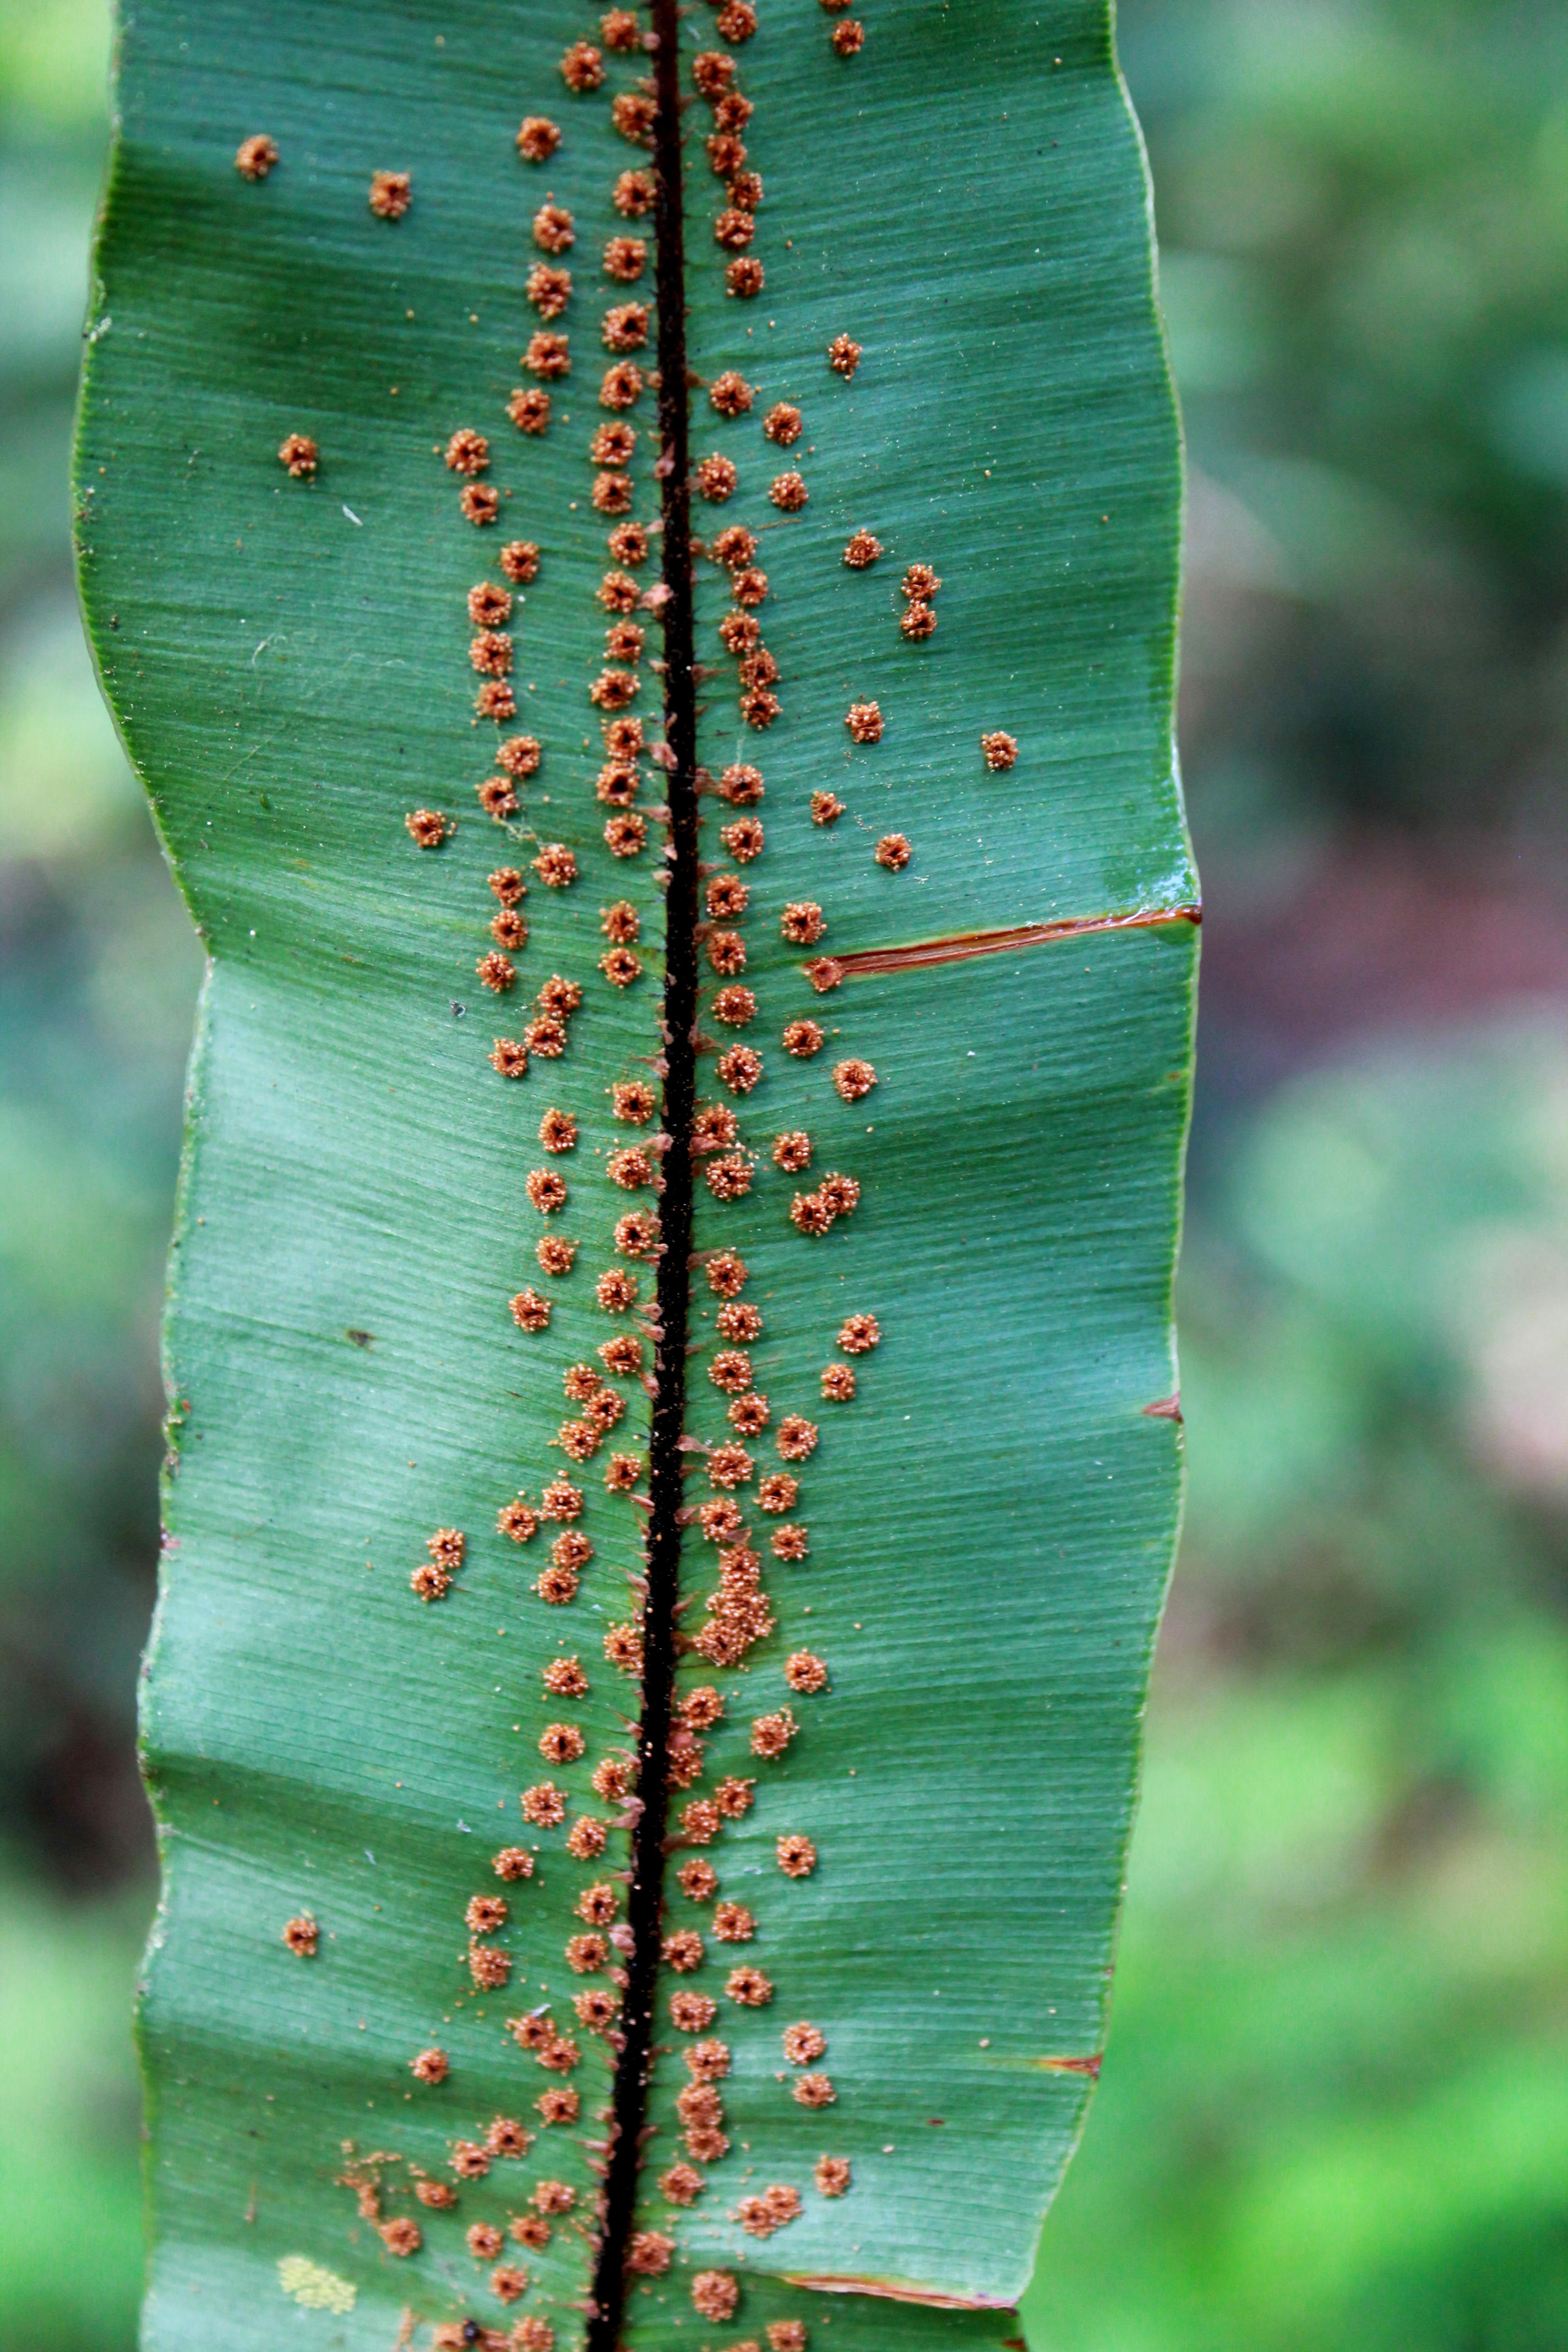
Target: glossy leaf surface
<point>986,1521</point>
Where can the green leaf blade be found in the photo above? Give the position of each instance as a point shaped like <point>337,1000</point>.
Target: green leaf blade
<point>992,1516</point>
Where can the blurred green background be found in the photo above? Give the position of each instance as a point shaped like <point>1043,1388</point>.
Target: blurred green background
<point>1334,2108</point>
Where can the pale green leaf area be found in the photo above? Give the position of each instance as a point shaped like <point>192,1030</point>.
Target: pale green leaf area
<point>991,1516</point>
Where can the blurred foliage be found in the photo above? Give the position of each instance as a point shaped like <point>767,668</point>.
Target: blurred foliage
<point>98,971</point>
<point>1334,2107</point>
<point>1335,2103</point>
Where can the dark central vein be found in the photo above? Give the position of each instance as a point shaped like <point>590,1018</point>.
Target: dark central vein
<point>675,1210</point>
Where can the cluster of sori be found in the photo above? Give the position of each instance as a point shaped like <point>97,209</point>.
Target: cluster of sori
<point>740,1614</point>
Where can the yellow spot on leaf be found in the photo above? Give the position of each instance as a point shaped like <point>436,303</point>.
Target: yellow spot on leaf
<point>315,2288</point>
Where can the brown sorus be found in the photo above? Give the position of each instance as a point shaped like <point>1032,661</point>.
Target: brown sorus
<point>466,453</point>
<point>735,230</point>
<point>772,1734</point>
<point>548,355</point>
<point>633,194</point>
<point>738,1068</point>
<point>549,289</point>
<point>489,1968</point>
<point>626,257</point>
<point>529,409</point>
<point>255,156</point>
<point>803,922</point>
<point>634,114</point>
<point>621,386</point>
<point>498,800</point>
<point>649,2255</point>
<point>519,755</point>
<point>583,68</point>
<point>612,445</point>
<point>715,477</point>
<point>715,2294</point>
<point>391,194</point>
<point>553,229</point>
<point>732,396</point>
<point>624,327</point>
<point>626,836</point>
<point>538,138</point>
<point>730,1466</point>
<point>841,1193</point>
<point>744,840</point>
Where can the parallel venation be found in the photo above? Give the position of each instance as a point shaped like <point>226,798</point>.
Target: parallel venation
<point>638,563</point>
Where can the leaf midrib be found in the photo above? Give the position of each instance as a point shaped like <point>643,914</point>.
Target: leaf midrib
<point>666,1453</point>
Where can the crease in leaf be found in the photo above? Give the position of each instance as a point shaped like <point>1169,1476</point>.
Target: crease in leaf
<point>644,1736</point>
